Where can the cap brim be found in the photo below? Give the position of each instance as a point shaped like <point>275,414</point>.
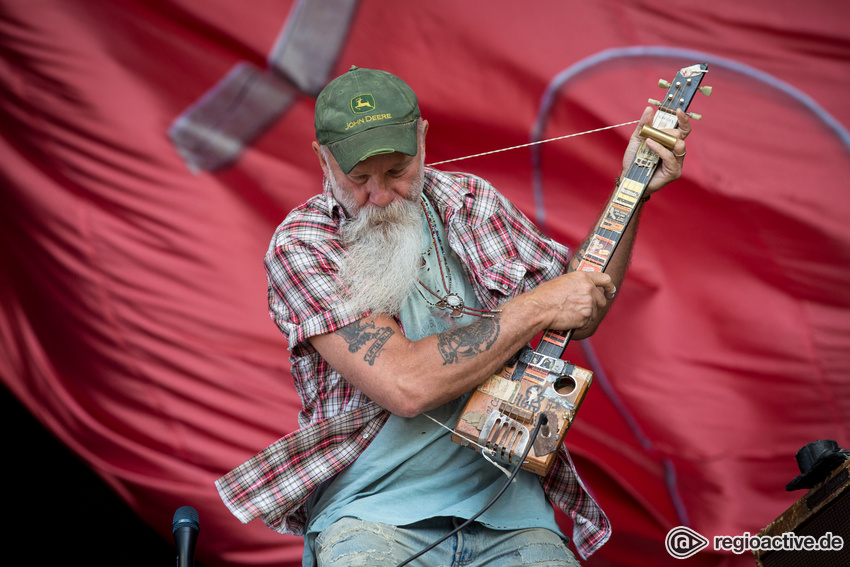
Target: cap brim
<point>381,140</point>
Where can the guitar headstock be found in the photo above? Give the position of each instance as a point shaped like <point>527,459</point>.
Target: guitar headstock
<point>681,91</point>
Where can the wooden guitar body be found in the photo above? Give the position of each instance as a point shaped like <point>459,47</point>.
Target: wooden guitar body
<point>502,412</point>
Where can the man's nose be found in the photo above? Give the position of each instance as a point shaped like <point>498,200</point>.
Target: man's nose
<point>380,193</point>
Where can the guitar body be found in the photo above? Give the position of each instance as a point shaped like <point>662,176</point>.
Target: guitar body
<point>503,411</point>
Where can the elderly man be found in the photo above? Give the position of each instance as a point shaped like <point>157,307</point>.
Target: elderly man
<point>401,288</point>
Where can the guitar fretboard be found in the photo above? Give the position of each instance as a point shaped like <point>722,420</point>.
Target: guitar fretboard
<point>627,195</point>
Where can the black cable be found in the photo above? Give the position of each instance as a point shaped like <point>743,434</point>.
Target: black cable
<point>543,419</point>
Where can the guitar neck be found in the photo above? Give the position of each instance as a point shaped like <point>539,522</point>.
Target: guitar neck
<point>627,195</point>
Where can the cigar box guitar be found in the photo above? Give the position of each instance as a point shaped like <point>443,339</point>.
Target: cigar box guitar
<point>503,411</point>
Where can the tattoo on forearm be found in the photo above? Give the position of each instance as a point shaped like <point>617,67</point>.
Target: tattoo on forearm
<point>362,333</point>
<point>469,341</point>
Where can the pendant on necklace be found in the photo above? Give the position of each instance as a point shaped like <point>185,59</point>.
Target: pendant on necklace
<point>452,302</point>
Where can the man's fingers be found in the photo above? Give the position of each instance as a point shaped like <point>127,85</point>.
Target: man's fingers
<point>684,123</point>
<point>604,283</point>
<point>603,280</point>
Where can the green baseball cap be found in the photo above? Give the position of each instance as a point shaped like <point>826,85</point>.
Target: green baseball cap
<point>366,112</point>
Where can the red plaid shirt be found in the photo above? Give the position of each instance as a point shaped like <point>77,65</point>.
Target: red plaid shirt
<point>503,255</point>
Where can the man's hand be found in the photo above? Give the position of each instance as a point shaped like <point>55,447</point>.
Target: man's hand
<point>576,300</point>
<point>670,167</point>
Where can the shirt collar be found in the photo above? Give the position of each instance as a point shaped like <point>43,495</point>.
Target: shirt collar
<point>442,188</point>
<point>335,208</point>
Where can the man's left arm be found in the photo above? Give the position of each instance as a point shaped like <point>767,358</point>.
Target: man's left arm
<point>669,169</point>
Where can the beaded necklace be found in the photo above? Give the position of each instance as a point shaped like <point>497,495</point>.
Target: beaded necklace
<point>450,301</point>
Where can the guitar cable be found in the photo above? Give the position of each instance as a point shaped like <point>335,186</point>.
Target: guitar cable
<point>543,420</point>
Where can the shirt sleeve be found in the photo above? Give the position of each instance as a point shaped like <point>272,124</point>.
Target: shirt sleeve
<point>500,247</point>
<point>305,292</point>
<point>564,487</point>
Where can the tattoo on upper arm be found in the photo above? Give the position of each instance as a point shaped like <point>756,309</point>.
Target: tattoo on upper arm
<point>362,333</point>
<point>469,341</point>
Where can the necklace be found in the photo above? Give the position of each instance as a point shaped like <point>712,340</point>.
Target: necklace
<point>449,301</point>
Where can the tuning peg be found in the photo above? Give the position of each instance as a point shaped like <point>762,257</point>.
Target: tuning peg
<point>705,90</point>
<point>663,84</point>
<point>694,116</point>
<point>655,102</point>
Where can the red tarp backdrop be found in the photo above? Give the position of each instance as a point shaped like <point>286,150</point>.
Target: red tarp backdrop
<point>149,148</point>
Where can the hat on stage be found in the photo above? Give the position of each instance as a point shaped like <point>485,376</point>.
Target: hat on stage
<point>817,460</point>
<point>366,112</point>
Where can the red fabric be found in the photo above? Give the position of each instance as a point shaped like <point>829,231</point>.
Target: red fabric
<point>134,323</point>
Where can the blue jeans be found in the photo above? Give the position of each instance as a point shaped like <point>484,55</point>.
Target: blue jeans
<point>351,542</point>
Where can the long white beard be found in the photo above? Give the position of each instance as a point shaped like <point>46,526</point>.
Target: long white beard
<point>384,252</point>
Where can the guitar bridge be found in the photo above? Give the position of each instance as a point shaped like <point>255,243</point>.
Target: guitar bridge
<point>504,435</point>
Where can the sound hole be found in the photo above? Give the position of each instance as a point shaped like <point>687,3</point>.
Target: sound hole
<point>565,385</point>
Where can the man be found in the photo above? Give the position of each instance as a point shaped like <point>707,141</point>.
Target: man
<point>400,289</point>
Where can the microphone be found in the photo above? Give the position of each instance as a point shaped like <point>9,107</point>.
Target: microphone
<point>185,528</point>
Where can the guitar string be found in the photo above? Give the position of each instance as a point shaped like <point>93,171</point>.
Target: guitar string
<point>485,451</point>
<point>533,143</point>
<point>679,88</point>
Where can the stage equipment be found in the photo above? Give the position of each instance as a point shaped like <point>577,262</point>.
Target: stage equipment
<point>815,530</point>
<point>185,527</point>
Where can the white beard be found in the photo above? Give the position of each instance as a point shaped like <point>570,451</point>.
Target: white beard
<point>384,251</point>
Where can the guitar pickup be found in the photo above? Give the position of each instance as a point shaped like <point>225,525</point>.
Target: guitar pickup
<point>504,435</point>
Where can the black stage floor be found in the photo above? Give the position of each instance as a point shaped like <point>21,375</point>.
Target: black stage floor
<point>59,510</point>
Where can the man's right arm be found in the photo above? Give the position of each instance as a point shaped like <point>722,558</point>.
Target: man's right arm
<point>410,377</point>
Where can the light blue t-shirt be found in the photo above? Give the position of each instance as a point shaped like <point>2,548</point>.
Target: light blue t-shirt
<point>412,470</point>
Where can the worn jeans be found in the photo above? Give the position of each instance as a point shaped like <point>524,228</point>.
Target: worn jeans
<point>351,542</point>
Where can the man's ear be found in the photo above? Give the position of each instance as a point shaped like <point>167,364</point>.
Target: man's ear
<point>323,163</point>
<point>424,132</point>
